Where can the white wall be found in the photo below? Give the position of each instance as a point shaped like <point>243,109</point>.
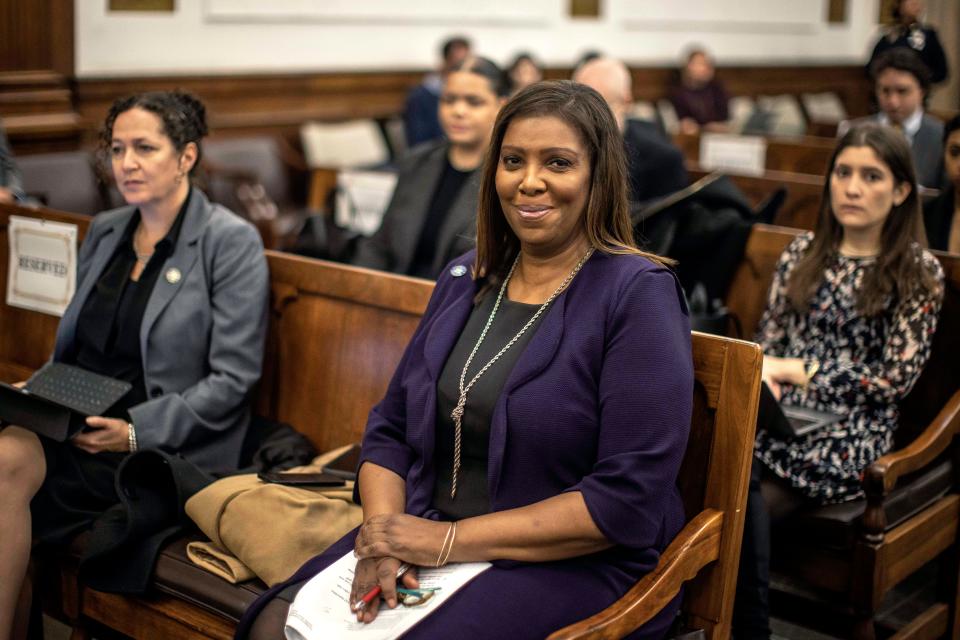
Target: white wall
<point>232,36</point>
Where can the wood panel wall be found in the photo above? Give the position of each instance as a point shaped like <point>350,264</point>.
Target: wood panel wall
<point>36,65</point>
<point>279,103</point>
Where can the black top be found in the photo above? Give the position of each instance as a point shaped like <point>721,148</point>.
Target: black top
<point>472,496</point>
<point>108,328</point>
<point>449,185</point>
<point>938,217</point>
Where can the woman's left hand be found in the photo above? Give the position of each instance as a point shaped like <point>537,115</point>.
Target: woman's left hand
<point>407,538</point>
<point>107,434</point>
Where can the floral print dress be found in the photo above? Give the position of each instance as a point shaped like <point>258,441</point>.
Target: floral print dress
<point>867,365</point>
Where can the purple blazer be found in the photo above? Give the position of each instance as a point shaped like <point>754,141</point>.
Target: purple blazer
<point>599,402</point>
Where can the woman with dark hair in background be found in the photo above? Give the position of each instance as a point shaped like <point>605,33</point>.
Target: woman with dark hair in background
<point>431,217</point>
<point>573,501</point>
<point>698,97</point>
<point>523,72</point>
<point>850,318</point>
<point>941,215</point>
<point>908,31</point>
<point>171,297</point>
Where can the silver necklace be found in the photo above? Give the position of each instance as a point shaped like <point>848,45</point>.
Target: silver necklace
<point>457,413</point>
<point>142,258</point>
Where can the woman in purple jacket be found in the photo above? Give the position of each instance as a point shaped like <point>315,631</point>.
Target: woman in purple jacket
<point>540,413</point>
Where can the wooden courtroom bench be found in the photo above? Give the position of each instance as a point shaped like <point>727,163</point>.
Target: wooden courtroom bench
<point>336,333</point>
<point>853,554</point>
<point>805,154</point>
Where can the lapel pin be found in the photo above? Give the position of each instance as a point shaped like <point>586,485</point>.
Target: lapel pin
<point>458,271</point>
<point>173,275</point>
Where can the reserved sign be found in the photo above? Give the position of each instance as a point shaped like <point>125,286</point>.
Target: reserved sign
<point>745,155</point>
<point>43,265</point>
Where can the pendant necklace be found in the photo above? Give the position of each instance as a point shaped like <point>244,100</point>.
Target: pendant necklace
<point>457,413</point>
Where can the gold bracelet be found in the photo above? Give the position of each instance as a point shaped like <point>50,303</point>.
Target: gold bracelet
<point>810,371</point>
<point>450,548</point>
<point>444,545</point>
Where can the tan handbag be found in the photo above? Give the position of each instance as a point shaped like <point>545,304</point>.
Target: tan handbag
<point>268,529</point>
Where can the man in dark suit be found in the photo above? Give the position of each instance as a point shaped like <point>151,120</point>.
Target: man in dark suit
<point>655,164</point>
<point>902,83</point>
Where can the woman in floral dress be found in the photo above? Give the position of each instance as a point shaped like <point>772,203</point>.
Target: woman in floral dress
<point>849,322</point>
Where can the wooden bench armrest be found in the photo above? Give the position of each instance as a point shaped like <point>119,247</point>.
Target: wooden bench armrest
<point>697,545</point>
<point>881,477</point>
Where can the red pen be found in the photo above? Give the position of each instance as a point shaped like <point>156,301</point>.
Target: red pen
<point>362,603</point>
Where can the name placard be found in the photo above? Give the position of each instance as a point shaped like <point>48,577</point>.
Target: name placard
<point>43,265</point>
<point>746,155</point>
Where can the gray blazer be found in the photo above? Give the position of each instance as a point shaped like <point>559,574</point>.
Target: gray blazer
<point>202,335</point>
<point>393,246</point>
<point>927,148</point>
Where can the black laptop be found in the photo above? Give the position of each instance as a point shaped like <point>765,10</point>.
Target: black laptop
<point>58,398</point>
<point>793,422</point>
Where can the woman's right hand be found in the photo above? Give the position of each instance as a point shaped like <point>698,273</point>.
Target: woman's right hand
<point>368,574</point>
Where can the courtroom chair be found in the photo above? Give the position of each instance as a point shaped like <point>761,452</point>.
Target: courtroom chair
<point>788,117</point>
<point>396,136</point>
<point>841,560</point>
<point>824,112</point>
<point>713,482</point>
<point>740,108</point>
<point>65,181</point>
<point>255,177</point>
<point>668,116</point>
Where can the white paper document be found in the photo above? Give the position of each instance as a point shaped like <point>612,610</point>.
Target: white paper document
<point>321,610</point>
<point>42,274</point>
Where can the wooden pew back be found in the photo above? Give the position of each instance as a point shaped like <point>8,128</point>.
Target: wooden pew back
<point>747,299</point>
<point>807,154</point>
<point>26,337</point>
<point>336,335</point>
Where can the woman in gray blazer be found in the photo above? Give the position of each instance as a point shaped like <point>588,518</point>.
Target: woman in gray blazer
<point>171,296</point>
<point>432,215</point>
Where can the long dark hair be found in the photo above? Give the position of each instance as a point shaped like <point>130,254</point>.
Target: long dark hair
<point>183,116</point>
<point>898,271</point>
<point>607,220</point>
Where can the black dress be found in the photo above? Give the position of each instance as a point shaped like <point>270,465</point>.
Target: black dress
<point>79,486</point>
<point>472,497</point>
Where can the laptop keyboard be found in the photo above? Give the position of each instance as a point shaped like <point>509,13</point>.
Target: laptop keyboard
<point>80,390</point>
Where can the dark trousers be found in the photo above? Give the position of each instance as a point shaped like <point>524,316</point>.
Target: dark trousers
<point>751,608</point>
<point>769,500</point>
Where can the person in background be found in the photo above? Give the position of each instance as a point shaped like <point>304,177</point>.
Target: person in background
<point>901,84</point>
<point>420,120</point>
<point>908,32</point>
<point>655,165</point>
<point>11,183</point>
<point>431,217</point>
<point>523,72</point>
<point>941,215</point>
<point>171,297</point>
<point>698,97</point>
<point>850,319</point>
<point>572,501</point>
